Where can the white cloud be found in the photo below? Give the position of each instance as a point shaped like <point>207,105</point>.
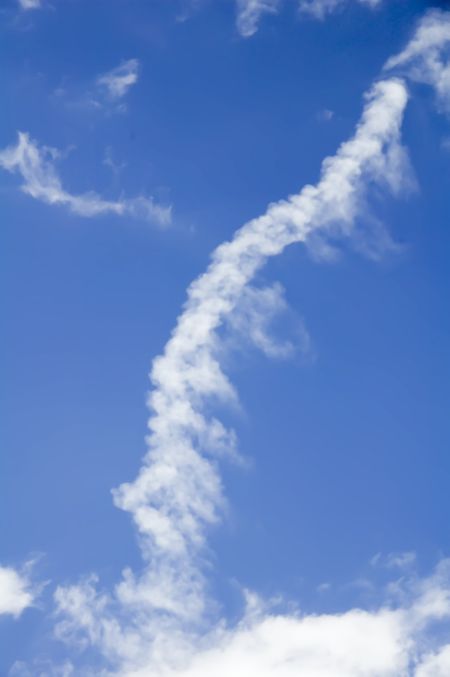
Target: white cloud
<point>178,491</point>
<point>30,4</point>
<point>118,81</point>
<point>426,57</point>
<point>36,165</point>
<point>249,13</point>
<point>180,484</point>
<point>16,592</point>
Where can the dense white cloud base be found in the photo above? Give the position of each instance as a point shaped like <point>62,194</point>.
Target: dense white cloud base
<point>36,165</point>
<point>406,636</point>
<point>16,591</point>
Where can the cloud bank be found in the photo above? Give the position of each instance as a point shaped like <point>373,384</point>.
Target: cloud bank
<point>36,165</point>
<point>390,641</point>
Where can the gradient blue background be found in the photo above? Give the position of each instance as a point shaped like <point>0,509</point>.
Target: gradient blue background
<point>349,454</point>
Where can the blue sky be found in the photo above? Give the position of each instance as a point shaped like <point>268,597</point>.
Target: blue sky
<point>150,133</point>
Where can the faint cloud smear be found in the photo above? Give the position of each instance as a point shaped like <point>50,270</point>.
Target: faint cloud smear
<point>118,81</point>
<point>323,587</point>
<point>254,316</point>
<point>16,591</point>
<point>36,165</point>
<point>325,115</point>
<point>30,4</point>
<point>394,560</point>
<point>109,161</point>
<point>445,145</point>
<point>41,668</point>
<point>250,12</point>
<point>319,9</point>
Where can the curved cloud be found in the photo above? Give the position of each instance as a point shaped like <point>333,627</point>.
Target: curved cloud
<point>41,181</point>
<point>178,492</point>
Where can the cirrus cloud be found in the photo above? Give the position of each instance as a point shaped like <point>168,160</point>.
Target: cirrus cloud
<point>250,12</point>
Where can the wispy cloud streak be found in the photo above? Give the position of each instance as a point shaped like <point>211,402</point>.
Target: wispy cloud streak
<point>250,12</point>
<point>426,58</point>
<point>118,81</point>
<point>36,165</point>
<point>320,8</point>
